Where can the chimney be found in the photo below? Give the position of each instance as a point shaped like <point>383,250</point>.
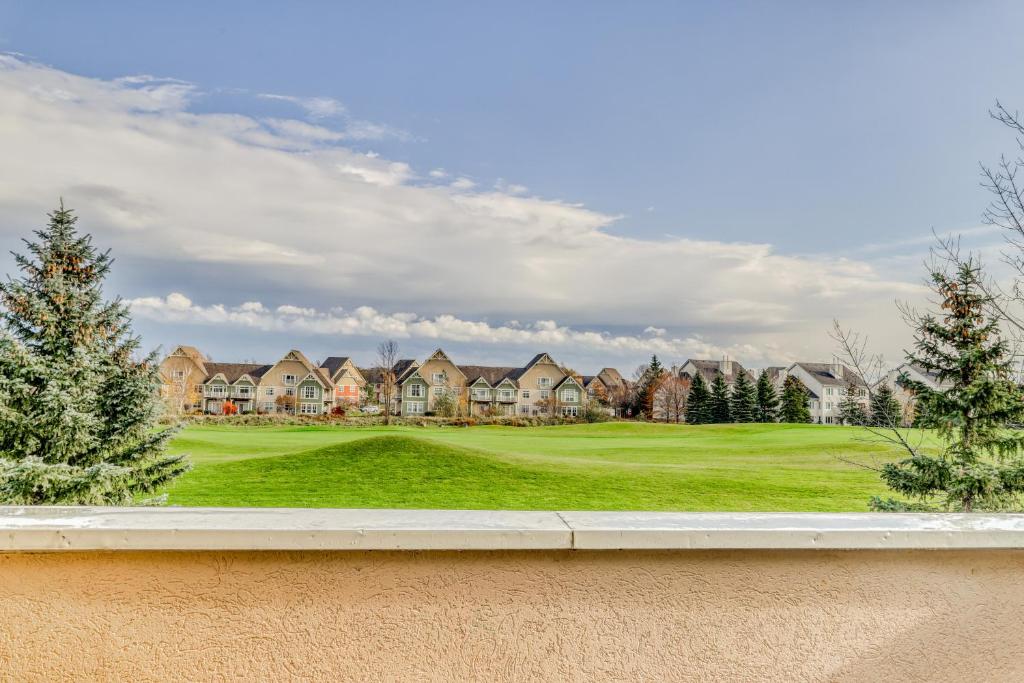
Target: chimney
<point>725,366</point>
<point>837,369</point>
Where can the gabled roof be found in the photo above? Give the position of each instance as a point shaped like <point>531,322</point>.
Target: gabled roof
<point>519,372</point>
<point>193,354</point>
<point>825,374</point>
<point>404,367</point>
<point>611,376</point>
<point>491,374</point>
<point>589,379</point>
<point>232,372</point>
<point>709,369</point>
<point>297,355</point>
<point>332,364</point>
<point>568,378</point>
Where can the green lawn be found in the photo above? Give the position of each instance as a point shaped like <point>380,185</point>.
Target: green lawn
<point>615,466</point>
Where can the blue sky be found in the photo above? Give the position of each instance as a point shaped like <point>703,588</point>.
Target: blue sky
<point>826,131</point>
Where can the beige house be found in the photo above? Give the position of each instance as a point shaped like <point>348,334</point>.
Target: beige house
<point>828,384</point>
<point>291,385</point>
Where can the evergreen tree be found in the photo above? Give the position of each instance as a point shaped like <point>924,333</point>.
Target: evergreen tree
<point>767,399</point>
<point>743,402</point>
<point>980,464</point>
<point>698,402</point>
<point>852,411</point>
<point>77,411</point>
<point>720,400</point>
<point>795,398</point>
<point>651,379</point>
<point>885,409</point>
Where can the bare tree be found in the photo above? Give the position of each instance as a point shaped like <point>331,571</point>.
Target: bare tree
<point>670,397</point>
<point>387,356</point>
<point>180,391</point>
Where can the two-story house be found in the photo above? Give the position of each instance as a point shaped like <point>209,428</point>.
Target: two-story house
<point>709,370</point>
<point>902,393</point>
<point>295,385</point>
<point>828,384</point>
<point>422,386</point>
<point>349,383</point>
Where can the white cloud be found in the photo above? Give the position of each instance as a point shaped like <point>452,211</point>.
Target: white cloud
<point>282,204</point>
<point>367,321</point>
<point>315,107</point>
<point>463,184</point>
<point>502,185</point>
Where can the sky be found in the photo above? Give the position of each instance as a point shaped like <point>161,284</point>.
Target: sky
<point>595,180</point>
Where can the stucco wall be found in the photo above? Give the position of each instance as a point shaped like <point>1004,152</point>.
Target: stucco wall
<point>789,615</point>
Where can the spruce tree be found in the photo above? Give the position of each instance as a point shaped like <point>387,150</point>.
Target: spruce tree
<point>795,399</point>
<point>77,409</point>
<point>743,402</point>
<point>767,399</point>
<point>885,409</point>
<point>652,379</point>
<point>979,465</point>
<point>852,411</point>
<point>720,400</point>
<point>698,402</point>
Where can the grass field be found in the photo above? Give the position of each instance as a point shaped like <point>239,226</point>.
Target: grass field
<point>614,466</point>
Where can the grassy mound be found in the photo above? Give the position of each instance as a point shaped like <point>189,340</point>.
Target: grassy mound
<point>404,471</point>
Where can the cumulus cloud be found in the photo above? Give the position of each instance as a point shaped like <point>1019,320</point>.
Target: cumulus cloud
<point>315,107</point>
<point>369,322</point>
<point>284,206</point>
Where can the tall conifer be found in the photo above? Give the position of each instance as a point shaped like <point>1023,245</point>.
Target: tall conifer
<point>77,408</point>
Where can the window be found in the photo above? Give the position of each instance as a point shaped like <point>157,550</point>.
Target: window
<point>438,378</point>
<point>828,405</point>
<point>269,391</point>
<point>290,391</point>
<point>438,391</point>
<point>545,394</point>
<point>828,391</point>
<point>268,407</point>
<point>415,407</point>
<point>505,394</point>
<point>570,395</point>
<point>178,374</point>
<point>525,410</point>
<point>217,389</point>
<point>243,391</point>
<point>309,408</point>
<point>570,411</point>
<point>526,394</point>
<point>543,381</point>
<point>481,394</point>
<point>310,392</point>
<point>415,391</point>
<point>288,379</point>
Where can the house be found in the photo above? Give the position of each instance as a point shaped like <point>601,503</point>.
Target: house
<point>828,384</point>
<point>903,394</point>
<point>349,383</point>
<point>234,382</point>
<point>294,385</point>
<point>492,391</point>
<point>291,385</point>
<point>728,369</point>
<point>536,381</point>
<point>420,387</point>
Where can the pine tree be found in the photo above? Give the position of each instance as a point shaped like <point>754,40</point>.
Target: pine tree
<point>795,399</point>
<point>720,400</point>
<point>698,402</point>
<point>852,411</point>
<point>651,379</point>
<point>743,402</point>
<point>980,464</point>
<point>885,409</point>
<point>767,399</point>
<point>77,411</point>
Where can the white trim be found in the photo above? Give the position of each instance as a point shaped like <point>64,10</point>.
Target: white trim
<point>69,529</point>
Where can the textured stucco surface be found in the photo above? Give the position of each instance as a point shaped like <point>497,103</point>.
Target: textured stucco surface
<point>513,615</point>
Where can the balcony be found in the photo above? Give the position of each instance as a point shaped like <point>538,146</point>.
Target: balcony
<point>374,594</point>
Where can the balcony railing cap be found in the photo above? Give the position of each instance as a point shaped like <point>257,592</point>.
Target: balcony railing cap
<point>124,528</point>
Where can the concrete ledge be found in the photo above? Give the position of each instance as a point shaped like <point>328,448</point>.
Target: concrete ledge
<point>112,528</point>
